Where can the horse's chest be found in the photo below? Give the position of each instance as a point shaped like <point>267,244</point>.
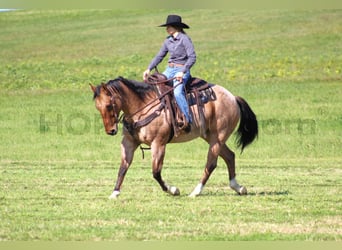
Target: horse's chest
<point>144,135</point>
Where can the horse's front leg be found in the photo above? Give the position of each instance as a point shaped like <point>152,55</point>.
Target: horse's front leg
<point>127,152</point>
<point>158,154</point>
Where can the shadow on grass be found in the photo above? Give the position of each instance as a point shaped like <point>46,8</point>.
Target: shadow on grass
<point>262,193</point>
<point>270,193</point>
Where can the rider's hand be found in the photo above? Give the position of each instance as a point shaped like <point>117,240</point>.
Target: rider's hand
<point>179,76</point>
<point>146,74</point>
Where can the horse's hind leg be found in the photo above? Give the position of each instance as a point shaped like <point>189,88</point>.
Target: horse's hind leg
<point>229,157</point>
<point>213,153</point>
<point>158,154</point>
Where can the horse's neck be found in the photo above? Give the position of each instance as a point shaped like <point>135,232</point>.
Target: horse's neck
<point>133,105</point>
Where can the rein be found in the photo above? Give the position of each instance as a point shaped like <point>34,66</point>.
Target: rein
<point>149,118</point>
<point>161,81</point>
<point>158,98</point>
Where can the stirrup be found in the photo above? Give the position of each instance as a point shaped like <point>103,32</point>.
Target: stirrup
<point>184,125</point>
<point>187,128</point>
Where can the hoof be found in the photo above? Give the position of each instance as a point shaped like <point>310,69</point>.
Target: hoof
<point>193,195</point>
<point>197,191</point>
<point>114,195</point>
<point>242,191</point>
<point>173,191</point>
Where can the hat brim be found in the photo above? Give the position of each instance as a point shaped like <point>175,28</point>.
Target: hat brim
<point>180,25</point>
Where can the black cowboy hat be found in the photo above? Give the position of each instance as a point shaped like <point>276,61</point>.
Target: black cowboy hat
<point>176,21</point>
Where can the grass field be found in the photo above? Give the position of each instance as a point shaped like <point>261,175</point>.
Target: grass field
<point>58,167</point>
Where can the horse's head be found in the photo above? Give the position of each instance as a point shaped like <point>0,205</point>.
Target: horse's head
<point>108,103</point>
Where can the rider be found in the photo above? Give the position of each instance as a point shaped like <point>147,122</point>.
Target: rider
<point>182,58</point>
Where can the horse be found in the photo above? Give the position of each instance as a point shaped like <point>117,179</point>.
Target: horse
<point>130,102</point>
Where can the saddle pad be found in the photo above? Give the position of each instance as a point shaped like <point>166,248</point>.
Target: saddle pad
<point>205,95</point>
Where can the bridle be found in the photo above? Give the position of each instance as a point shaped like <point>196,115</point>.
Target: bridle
<point>113,92</point>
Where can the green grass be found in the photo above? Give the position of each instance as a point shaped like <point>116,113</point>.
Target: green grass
<point>57,166</point>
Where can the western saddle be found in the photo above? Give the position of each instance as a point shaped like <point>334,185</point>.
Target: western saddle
<point>198,92</point>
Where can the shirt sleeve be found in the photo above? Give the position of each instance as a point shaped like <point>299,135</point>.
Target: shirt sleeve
<point>190,52</point>
<point>159,57</point>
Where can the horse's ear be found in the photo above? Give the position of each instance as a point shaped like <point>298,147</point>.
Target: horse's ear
<point>93,88</point>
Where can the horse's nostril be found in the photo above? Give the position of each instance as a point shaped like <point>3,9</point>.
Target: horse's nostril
<point>112,132</point>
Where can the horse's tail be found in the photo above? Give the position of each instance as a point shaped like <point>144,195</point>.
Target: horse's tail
<point>248,128</point>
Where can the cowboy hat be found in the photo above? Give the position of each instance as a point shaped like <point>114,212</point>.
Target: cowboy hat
<point>174,20</point>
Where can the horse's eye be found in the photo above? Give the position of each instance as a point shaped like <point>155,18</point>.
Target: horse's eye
<point>109,107</point>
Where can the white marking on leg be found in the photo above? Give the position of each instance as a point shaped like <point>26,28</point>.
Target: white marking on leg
<point>114,195</point>
<point>197,191</point>
<point>235,186</point>
<point>173,190</point>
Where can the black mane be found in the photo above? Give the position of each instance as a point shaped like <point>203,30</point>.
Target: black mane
<point>141,89</point>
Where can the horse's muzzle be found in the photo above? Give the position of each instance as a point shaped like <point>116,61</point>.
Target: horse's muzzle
<point>112,132</point>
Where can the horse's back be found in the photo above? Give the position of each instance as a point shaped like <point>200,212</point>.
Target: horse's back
<point>225,94</point>
<point>225,110</point>
<point>221,117</point>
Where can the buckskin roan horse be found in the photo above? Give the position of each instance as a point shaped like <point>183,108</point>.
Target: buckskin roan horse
<point>136,101</point>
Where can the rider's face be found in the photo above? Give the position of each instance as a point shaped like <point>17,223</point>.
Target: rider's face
<point>171,30</point>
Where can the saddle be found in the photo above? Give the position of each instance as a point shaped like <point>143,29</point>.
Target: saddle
<point>198,92</point>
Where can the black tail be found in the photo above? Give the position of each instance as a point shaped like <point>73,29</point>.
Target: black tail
<point>248,128</point>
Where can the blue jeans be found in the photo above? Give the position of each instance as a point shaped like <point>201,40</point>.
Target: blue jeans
<point>179,91</point>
